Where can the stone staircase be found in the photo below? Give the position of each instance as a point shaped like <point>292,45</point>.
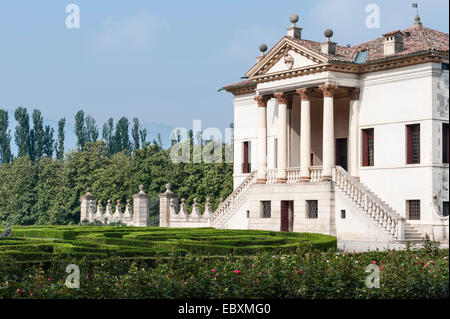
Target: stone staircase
<point>411,234</point>
<point>232,202</point>
<point>374,207</point>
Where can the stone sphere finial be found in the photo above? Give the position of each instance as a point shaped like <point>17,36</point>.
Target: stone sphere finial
<point>99,202</point>
<point>263,48</point>
<point>141,188</point>
<point>168,186</point>
<point>109,202</point>
<point>118,201</point>
<point>328,33</point>
<point>293,18</point>
<point>88,189</point>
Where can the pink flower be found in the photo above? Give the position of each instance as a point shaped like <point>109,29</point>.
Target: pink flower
<point>18,289</point>
<point>185,282</point>
<point>268,271</point>
<point>374,262</point>
<point>87,277</point>
<point>237,271</point>
<point>213,270</point>
<point>48,279</point>
<point>259,273</point>
<point>253,265</point>
<point>381,268</point>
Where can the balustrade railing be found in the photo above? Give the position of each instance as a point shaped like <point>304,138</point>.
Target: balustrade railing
<point>293,175</point>
<point>315,173</point>
<point>228,206</point>
<point>383,215</point>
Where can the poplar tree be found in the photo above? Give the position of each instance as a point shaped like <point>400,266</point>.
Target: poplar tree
<point>108,137</point>
<point>5,138</point>
<point>135,133</point>
<point>80,129</point>
<point>22,133</point>
<point>48,141</point>
<point>59,145</point>
<point>38,135</point>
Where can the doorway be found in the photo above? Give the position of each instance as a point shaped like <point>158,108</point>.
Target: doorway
<point>341,152</point>
<point>287,215</point>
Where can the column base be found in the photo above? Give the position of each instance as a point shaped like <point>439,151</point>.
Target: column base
<point>304,179</point>
<point>327,178</point>
<point>281,180</point>
<point>261,181</point>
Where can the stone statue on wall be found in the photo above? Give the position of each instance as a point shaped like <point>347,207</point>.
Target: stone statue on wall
<point>7,232</point>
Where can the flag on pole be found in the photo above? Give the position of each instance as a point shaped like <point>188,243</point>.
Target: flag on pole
<point>414,5</point>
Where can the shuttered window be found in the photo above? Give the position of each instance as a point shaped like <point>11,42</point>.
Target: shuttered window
<point>246,165</point>
<point>266,209</point>
<point>413,144</point>
<point>368,147</point>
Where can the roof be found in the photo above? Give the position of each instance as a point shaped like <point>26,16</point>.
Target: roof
<point>416,40</point>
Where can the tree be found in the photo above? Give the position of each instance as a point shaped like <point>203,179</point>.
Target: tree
<point>108,137</point>
<point>91,129</point>
<point>135,133</point>
<point>37,144</point>
<point>80,129</point>
<point>48,141</point>
<point>5,138</point>
<point>143,136</point>
<point>122,140</point>
<point>22,133</point>
<point>59,145</point>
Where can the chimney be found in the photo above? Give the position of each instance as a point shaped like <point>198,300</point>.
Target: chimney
<point>328,47</point>
<point>293,31</point>
<point>393,42</point>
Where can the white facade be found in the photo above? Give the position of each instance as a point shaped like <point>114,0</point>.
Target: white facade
<point>303,115</point>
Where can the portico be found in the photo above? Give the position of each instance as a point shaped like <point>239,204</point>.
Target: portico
<point>296,127</point>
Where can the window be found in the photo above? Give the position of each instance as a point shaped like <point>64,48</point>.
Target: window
<point>368,147</point>
<point>413,209</point>
<point>266,209</point>
<point>445,155</point>
<point>343,213</point>
<point>246,164</point>
<point>311,208</point>
<point>413,144</point>
<point>444,66</point>
<point>445,208</point>
<point>248,214</point>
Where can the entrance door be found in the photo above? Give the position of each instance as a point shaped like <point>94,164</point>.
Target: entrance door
<point>341,152</point>
<point>287,216</point>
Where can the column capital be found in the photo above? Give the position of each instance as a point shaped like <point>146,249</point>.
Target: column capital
<point>262,100</point>
<point>282,97</point>
<point>305,94</point>
<point>328,89</point>
<point>354,94</point>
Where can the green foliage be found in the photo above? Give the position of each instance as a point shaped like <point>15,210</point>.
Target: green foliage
<point>59,145</point>
<point>48,190</point>
<point>5,138</point>
<point>80,129</point>
<point>22,133</point>
<point>31,268</point>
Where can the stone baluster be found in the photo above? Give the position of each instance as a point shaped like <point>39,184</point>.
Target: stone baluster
<point>99,213</point>
<point>208,211</point>
<point>108,213</point>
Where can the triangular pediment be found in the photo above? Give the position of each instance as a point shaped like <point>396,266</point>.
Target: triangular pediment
<point>286,55</point>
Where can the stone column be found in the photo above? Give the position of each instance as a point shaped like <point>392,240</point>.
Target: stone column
<point>305,134</point>
<point>262,138</point>
<point>164,206</point>
<point>141,204</point>
<point>353,134</point>
<point>282,136</point>
<point>86,201</point>
<point>328,146</point>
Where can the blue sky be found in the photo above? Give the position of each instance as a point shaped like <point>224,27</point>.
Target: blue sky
<point>163,61</point>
